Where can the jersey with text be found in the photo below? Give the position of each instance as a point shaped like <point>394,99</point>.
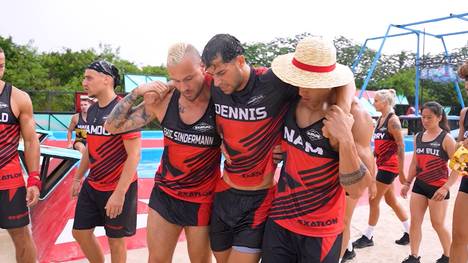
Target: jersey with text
<point>107,153</point>
<point>11,175</point>
<point>80,128</point>
<point>385,148</point>
<point>250,123</point>
<point>190,164</point>
<point>432,160</point>
<point>309,199</point>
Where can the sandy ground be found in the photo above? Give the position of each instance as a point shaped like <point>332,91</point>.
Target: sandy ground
<point>385,250</point>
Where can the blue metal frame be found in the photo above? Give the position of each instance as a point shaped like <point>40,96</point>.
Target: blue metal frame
<point>418,34</point>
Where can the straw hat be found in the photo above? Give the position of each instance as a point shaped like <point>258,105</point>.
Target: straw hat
<point>313,65</point>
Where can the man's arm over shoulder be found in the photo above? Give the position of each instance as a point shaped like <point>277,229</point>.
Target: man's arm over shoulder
<point>124,117</point>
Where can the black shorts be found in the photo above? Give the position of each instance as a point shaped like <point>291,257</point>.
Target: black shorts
<point>385,177</point>
<point>83,141</point>
<point>90,212</point>
<point>238,218</point>
<point>13,210</point>
<point>464,185</point>
<point>283,246</point>
<point>425,189</point>
<point>179,212</point>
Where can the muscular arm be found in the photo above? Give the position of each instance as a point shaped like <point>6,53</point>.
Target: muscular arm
<point>84,165</point>
<point>31,142</point>
<point>362,133</point>
<point>124,117</point>
<point>73,122</point>
<point>354,176</point>
<point>345,96</point>
<point>394,128</point>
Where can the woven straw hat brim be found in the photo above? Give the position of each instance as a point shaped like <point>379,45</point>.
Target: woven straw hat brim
<point>283,68</point>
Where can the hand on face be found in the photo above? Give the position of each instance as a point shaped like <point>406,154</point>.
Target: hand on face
<point>337,124</point>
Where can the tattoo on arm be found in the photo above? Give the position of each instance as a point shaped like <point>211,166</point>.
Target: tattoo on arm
<point>124,117</point>
<point>347,179</point>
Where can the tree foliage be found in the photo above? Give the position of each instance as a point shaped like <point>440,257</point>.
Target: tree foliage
<point>52,77</point>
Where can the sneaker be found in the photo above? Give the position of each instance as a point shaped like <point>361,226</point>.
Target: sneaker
<point>363,242</point>
<point>404,240</point>
<point>443,259</point>
<point>412,259</point>
<point>348,255</point>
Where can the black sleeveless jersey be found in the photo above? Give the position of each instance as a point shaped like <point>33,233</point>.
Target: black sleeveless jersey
<point>10,169</point>
<point>250,122</point>
<point>432,160</point>
<point>385,147</point>
<point>189,167</point>
<point>107,153</point>
<point>309,199</point>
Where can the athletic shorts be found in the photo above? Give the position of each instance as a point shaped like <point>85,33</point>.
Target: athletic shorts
<point>238,218</point>
<point>90,212</point>
<point>283,246</point>
<point>179,212</point>
<point>13,210</point>
<point>464,185</point>
<point>83,141</point>
<point>425,189</point>
<point>385,177</point>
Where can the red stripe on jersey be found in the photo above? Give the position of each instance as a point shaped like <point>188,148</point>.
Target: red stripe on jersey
<point>309,199</point>
<point>189,172</point>
<point>10,168</point>
<point>386,155</point>
<point>327,244</point>
<point>107,157</point>
<point>204,213</point>
<point>250,148</point>
<point>431,169</point>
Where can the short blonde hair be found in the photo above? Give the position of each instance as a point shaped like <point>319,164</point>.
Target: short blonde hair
<point>387,94</point>
<point>178,51</point>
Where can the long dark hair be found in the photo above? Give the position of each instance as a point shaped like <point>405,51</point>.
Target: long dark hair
<point>438,110</point>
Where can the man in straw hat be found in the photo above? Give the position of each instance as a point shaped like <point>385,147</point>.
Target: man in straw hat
<point>184,183</point>
<point>321,160</point>
<point>250,106</point>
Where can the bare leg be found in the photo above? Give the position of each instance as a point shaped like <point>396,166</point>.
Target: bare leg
<point>118,250</point>
<point>162,238</point>
<point>24,245</point>
<point>459,249</point>
<point>437,211</point>
<point>198,244</point>
<point>89,245</point>
<point>418,207</point>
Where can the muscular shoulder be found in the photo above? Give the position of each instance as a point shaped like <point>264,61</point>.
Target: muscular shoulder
<point>360,114</point>
<point>21,100</point>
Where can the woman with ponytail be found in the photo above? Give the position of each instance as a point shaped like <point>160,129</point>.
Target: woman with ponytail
<point>433,147</point>
<point>389,150</point>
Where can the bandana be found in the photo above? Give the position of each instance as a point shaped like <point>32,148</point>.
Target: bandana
<point>107,68</point>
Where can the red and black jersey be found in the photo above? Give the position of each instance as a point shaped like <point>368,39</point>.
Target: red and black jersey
<point>107,153</point>
<point>11,175</point>
<point>189,168</point>
<point>385,147</point>
<point>250,122</point>
<point>309,199</point>
<point>432,160</point>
